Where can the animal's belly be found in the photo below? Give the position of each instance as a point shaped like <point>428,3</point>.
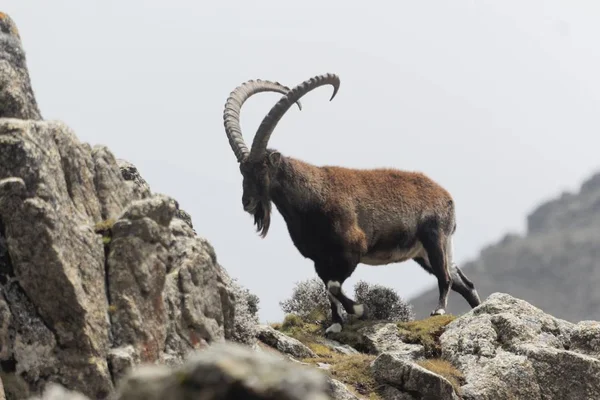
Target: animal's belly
<point>394,255</point>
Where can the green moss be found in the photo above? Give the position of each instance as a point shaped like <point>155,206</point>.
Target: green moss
<point>426,332</point>
<point>445,369</point>
<point>104,228</point>
<point>353,370</point>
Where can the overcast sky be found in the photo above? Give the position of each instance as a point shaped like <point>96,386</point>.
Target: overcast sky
<point>496,100</point>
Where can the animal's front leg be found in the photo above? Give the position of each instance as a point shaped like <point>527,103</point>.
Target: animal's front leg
<point>336,315</point>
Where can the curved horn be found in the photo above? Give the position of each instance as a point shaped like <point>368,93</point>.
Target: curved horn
<point>233,106</point>
<point>269,122</point>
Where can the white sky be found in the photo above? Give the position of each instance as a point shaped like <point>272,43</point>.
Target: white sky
<point>496,100</point>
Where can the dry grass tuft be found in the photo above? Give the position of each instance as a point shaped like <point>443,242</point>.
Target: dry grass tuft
<point>426,332</point>
<point>445,369</point>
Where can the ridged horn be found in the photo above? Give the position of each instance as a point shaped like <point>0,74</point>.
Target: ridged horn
<point>233,106</point>
<point>270,121</point>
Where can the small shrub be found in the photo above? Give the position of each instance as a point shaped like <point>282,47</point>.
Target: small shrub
<point>245,314</point>
<point>382,302</point>
<point>308,301</point>
<point>292,321</point>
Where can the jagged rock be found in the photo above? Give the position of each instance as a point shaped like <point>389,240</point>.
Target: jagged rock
<point>112,189</point>
<point>338,347</point>
<point>48,208</point>
<point>385,337</point>
<point>388,392</point>
<point>226,372</point>
<point>396,371</point>
<point>141,189</point>
<point>585,338</point>
<point>339,391</point>
<point>16,95</point>
<point>121,360</point>
<point>166,290</point>
<point>507,348</point>
<point>134,179</point>
<point>55,309</point>
<point>283,343</point>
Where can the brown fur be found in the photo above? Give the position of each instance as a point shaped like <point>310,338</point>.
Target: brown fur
<point>339,216</point>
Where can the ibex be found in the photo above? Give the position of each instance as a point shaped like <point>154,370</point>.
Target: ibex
<point>339,217</point>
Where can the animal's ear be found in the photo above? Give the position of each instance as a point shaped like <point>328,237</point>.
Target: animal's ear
<point>275,158</point>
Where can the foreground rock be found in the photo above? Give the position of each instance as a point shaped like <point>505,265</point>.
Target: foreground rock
<point>507,348</point>
<point>224,372</point>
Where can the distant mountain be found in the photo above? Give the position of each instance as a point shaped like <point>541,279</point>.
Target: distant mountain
<point>555,266</point>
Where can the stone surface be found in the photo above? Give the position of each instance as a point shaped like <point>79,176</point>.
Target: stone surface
<point>507,348</point>
<point>141,190</point>
<point>16,95</point>
<point>168,295</point>
<point>283,343</point>
<point>339,391</point>
<point>385,337</point>
<point>338,347</point>
<point>227,371</point>
<point>78,228</point>
<point>408,377</point>
<point>48,208</point>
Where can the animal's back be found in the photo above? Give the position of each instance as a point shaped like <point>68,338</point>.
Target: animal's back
<point>390,206</point>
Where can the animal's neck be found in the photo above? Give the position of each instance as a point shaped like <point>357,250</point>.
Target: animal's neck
<point>296,186</point>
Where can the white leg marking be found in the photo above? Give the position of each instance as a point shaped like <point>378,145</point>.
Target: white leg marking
<point>335,328</point>
<point>332,284</point>
<point>439,311</point>
<point>359,310</point>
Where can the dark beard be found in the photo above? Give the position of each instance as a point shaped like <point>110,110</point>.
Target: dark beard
<point>262,218</point>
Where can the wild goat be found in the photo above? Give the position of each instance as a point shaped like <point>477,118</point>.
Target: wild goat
<point>340,217</point>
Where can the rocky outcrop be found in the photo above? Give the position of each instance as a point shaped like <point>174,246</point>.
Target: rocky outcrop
<point>97,274</point>
<point>283,343</point>
<point>558,254</point>
<point>507,348</point>
<point>385,338</point>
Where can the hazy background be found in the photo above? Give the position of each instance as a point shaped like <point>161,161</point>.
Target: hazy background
<point>496,100</point>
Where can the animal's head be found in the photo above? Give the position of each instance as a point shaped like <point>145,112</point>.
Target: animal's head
<point>259,165</point>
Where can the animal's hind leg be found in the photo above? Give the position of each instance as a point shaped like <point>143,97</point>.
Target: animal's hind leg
<point>435,246</point>
<point>460,283</point>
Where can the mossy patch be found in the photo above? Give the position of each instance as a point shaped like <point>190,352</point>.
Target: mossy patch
<point>446,369</point>
<point>353,370</point>
<point>104,228</point>
<point>426,332</point>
